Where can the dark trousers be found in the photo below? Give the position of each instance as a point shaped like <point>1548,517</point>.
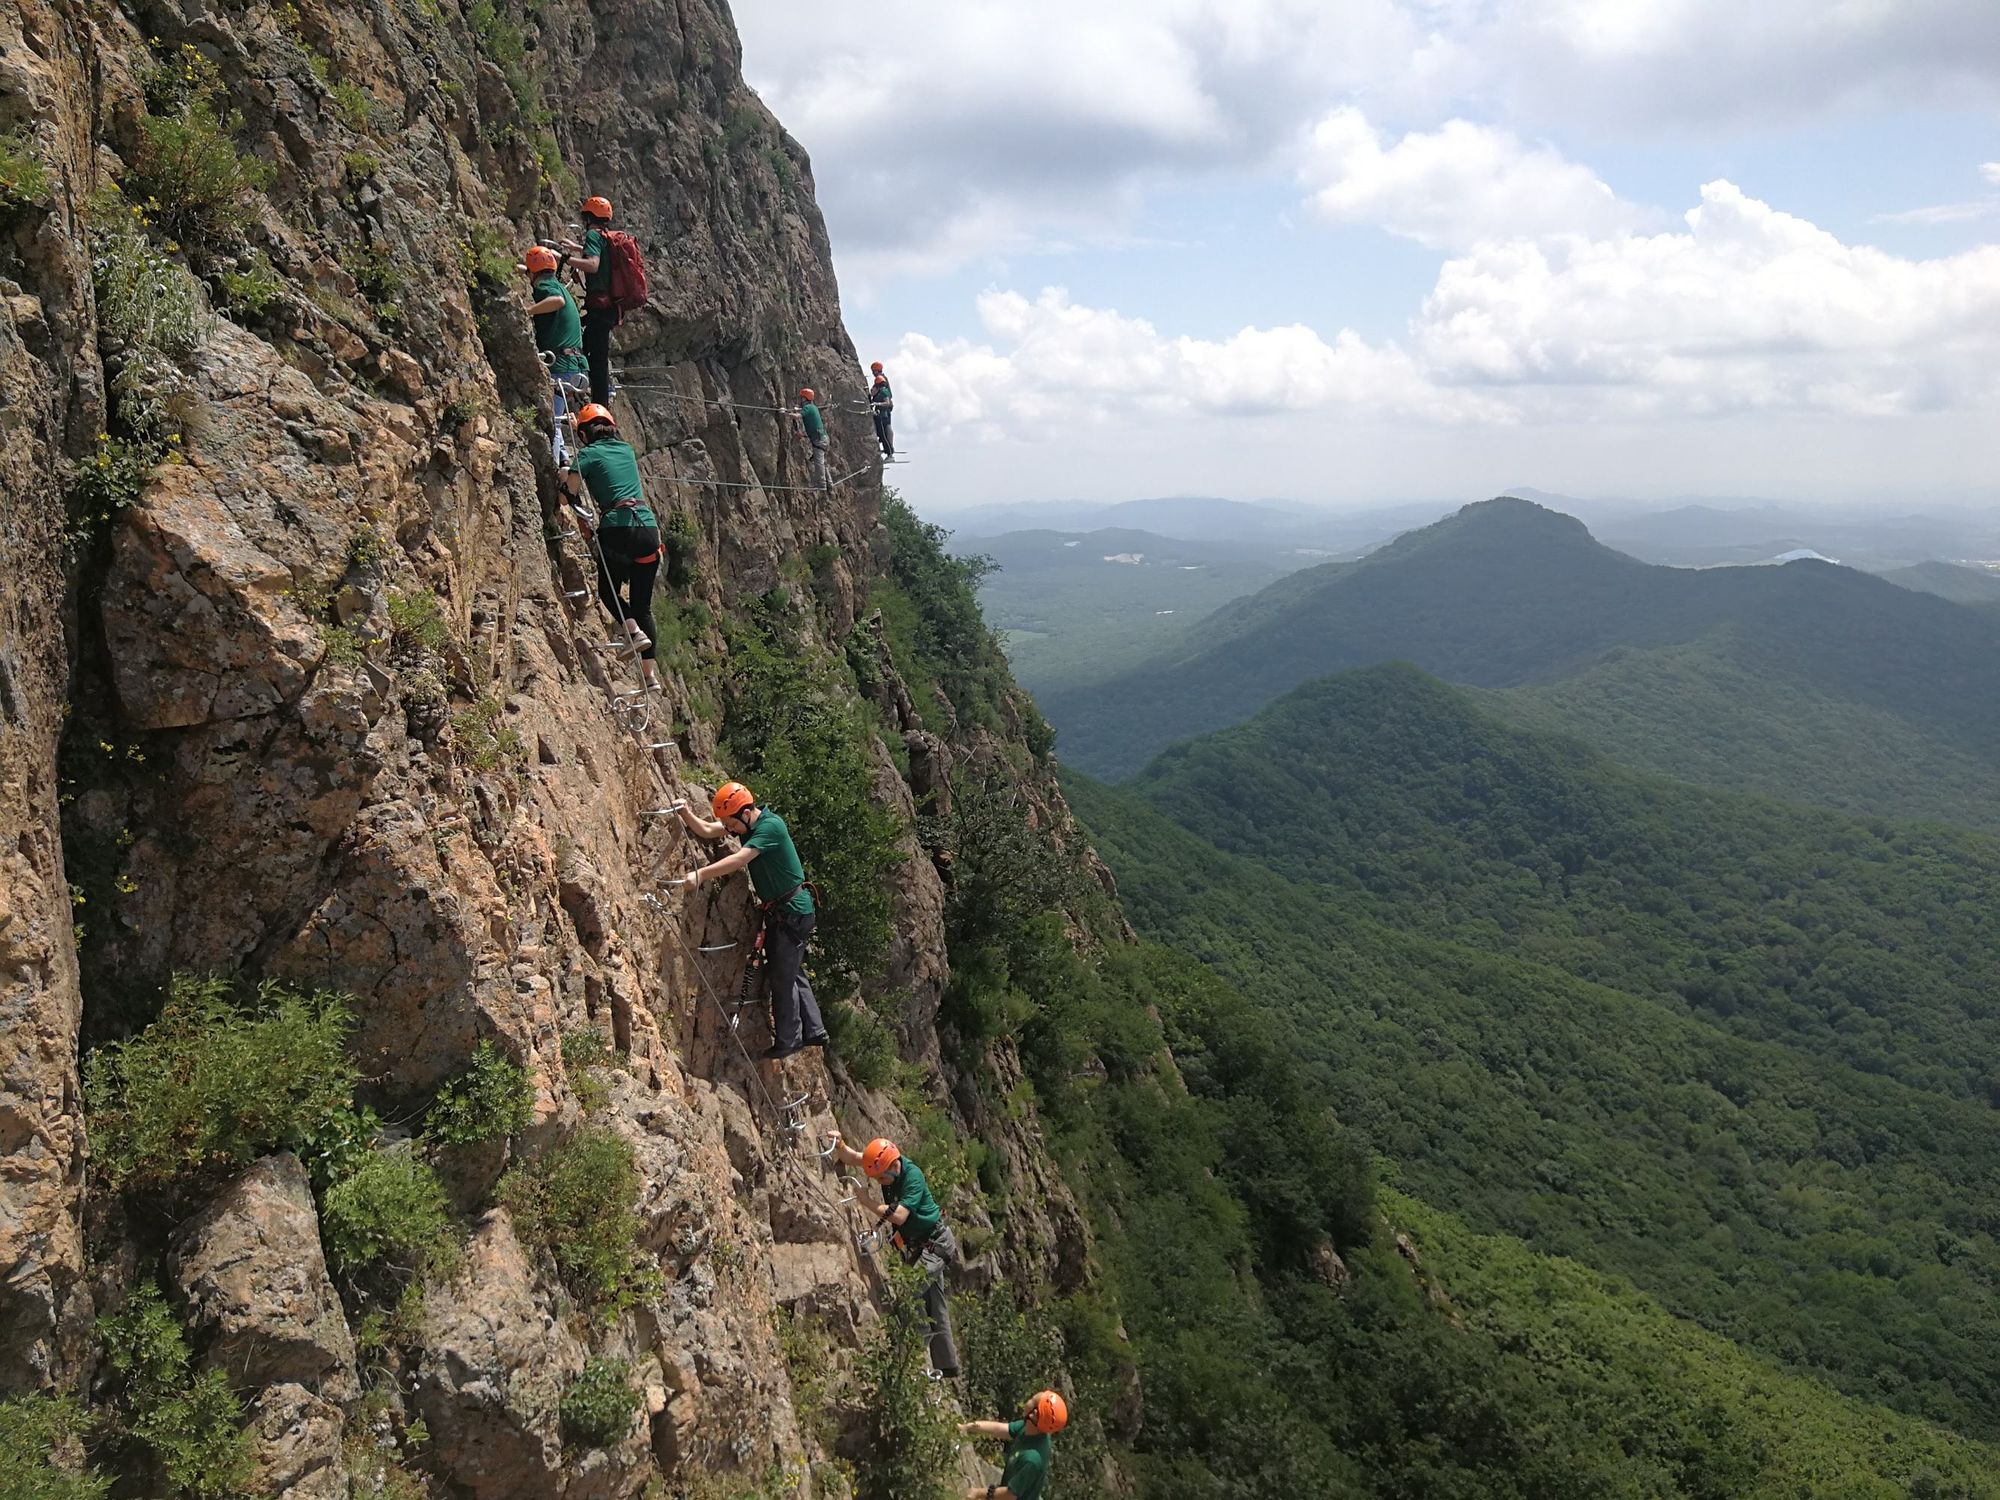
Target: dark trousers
<point>937,1256</point>
<point>624,575</point>
<point>883,435</point>
<point>597,325</point>
<point>792,1002</point>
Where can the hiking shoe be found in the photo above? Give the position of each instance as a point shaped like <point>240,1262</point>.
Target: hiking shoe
<point>817,1039</point>
<point>775,1053</point>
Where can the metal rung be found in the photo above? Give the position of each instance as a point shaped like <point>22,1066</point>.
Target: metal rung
<point>716,948</point>
<point>561,536</point>
<point>631,692</point>
<point>576,593</point>
<point>657,812</point>
<point>677,880</point>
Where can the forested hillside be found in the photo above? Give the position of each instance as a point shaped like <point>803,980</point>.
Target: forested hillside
<point>1734,1117</point>
<point>1808,681</point>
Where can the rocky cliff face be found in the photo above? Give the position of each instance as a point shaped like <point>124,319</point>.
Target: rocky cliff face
<point>297,686</point>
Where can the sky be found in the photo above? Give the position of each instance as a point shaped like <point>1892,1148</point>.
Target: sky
<point>1370,251</point>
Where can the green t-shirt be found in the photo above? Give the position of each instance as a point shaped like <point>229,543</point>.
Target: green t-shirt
<point>910,1191</point>
<point>611,469</point>
<point>561,329</point>
<point>809,417</point>
<point>1026,1474</point>
<point>776,870</point>
<point>595,244</point>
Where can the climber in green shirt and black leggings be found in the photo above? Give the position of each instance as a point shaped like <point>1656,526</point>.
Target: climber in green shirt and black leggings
<point>628,533</point>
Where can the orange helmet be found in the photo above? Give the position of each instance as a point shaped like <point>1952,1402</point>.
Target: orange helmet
<point>1047,1412</point>
<point>731,798</point>
<point>806,394</point>
<point>879,1157</point>
<point>592,412</point>
<point>597,208</point>
<point>539,259</point>
<point>876,368</point>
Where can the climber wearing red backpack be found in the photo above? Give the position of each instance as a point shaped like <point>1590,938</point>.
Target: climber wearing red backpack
<point>614,283</point>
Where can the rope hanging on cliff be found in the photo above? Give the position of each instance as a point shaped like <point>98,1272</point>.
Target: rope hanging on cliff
<point>781,489</point>
<point>675,394</point>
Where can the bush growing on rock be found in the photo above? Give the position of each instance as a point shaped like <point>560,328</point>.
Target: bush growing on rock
<point>911,1441</point>
<point>491,1100</point>
<point>212,1085</point>
<point>40,1451</point>
<point>188,169</point>
<point>598,1405</point>
<point>575,1202</point>
<point>391,1212</point>
<point>190,1425</point>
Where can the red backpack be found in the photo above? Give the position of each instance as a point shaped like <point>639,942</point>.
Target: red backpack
<point>628,271</point>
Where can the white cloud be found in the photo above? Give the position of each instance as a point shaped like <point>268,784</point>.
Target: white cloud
<point>1456,185</point>
<point>944,135</point>
<point>1050,361</point>
<point>1746,310</point>
<point>1991,172</point>
<point>1941,213</point>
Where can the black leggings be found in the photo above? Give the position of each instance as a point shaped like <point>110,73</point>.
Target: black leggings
<point>597,325</point>
<point>622,547</point>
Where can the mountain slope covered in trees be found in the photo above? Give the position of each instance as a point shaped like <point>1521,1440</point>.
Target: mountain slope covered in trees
<point>1628,1022</point>
<point>1809,681</point>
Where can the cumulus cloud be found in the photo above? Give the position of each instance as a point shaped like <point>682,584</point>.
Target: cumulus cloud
<point>1991,172</point>
<point>1051,360</point>
<point>1747,309</point>
<point>1455,186</point>
<point>944,135</point>
<point>1750,308</point>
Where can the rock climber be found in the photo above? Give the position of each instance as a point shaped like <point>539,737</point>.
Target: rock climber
<point>558,332</point>
<point>590,258</point>
<point>1025,1473</point>
<point>627,531</point>
<point>881,402</point>
<point>918,1229</point>
<point>813,426</point>
<point>778,880</point>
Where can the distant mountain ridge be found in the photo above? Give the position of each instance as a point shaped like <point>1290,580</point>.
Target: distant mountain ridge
<point>1509,595</point>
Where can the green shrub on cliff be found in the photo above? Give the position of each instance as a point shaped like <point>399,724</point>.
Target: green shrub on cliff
<point>491,1100</point>
<point>390,1212</point>
<point>910,1439</point>
<point>597,1406</point>
<point>187,168</point>
<point>212,1084</point>
<point>576,1202</point>
<point>189,1425</point>
<point>23,178</point>
<point>41,1451</point>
